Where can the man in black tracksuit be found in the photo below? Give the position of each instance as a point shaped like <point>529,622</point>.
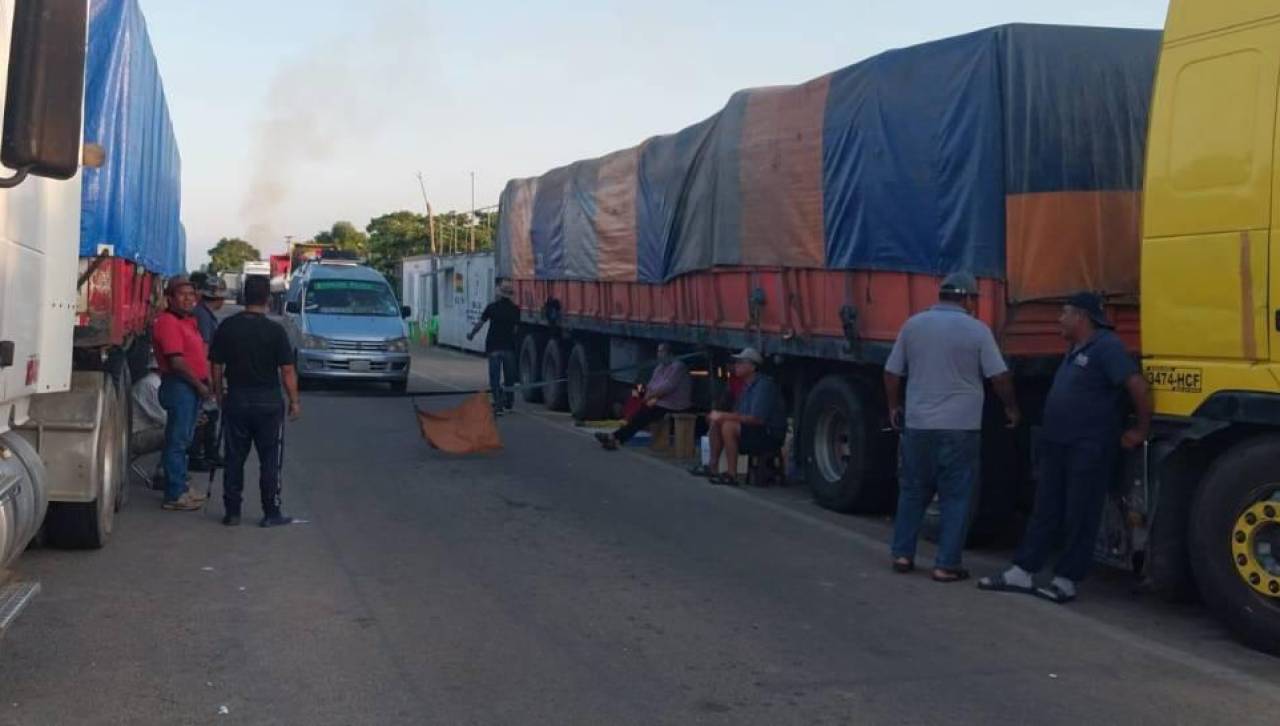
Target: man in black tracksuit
<point>251,358</point>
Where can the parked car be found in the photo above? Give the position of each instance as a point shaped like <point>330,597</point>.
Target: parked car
<point>345,324</point>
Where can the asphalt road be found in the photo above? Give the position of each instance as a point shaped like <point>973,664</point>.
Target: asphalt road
<point>554,583</point>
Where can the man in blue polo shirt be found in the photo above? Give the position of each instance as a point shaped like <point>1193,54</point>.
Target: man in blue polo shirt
<point>1081,436</point>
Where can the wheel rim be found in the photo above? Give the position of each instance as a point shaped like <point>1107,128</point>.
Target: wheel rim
<point>1255,544</point>
<point>832,444</point>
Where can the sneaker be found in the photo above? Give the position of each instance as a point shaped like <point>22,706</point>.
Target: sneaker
<point>231,520</point>
<point>275,520</point>
<point>184,503</point>
<point>198,496</point>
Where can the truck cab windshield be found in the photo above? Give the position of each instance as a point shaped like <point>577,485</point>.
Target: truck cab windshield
<point>350,297</point>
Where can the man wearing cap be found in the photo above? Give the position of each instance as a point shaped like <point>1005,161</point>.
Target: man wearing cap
<point>184,374</point>
<point>945,354</point>
<point>503,316</point>
<point>203,453</point>
<point>1080,438</point>
<point>757,424</point>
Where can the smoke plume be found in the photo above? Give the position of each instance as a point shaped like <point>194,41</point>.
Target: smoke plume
<point>329,98</point>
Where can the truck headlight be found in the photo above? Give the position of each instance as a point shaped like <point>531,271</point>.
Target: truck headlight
<point>398,345</point>
<point>314,342</point>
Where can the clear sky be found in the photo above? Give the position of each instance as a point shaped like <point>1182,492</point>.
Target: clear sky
<point>293,114</point>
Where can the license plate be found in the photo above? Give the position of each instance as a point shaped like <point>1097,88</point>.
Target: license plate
<point>360,366</point>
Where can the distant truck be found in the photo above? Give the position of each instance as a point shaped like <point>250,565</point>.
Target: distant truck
<point>810,221</point>
<point>84,260</point>
<point>252,268</point>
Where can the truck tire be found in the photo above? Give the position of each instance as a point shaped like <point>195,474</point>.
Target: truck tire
<point>530,365</point>
<point>588,384</point>
<point>555,396</point>
<point>1235,541</point>
<point>88,525</point>
<point>837,448</point>
<point>124,430</point>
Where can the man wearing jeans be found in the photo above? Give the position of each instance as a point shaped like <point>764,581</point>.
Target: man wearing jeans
<point>503,316</point>
<point>184,373</point>
<point>1080,439</point>
<point>945,354</point>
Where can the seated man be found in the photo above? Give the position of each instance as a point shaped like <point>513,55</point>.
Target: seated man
<point>149,417</point>
<point>670,390</point>
<point>757,424</point>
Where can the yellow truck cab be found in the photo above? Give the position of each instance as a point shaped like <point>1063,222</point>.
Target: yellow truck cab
<point>1210,289</point>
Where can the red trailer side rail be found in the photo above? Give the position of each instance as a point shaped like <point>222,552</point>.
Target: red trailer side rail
<point>804,311</point>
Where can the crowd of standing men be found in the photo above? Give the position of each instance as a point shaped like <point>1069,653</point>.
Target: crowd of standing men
<point>225,380</point>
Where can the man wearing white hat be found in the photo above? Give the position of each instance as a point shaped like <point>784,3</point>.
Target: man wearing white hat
<point>757,424</point>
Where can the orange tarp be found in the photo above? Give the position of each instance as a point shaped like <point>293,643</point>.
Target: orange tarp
<point>466,429</point>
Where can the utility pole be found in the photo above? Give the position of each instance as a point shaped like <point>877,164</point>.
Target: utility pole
<point>431,220</point>
<point>471,221</point>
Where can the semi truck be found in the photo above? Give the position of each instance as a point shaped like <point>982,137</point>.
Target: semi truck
<point>811,221</point>
<point>85,252</point>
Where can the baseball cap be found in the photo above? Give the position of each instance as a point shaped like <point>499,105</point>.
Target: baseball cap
<point>959,283</point>
<point>1090,304</point>
<point>751,355</point>
<point>176,282</point>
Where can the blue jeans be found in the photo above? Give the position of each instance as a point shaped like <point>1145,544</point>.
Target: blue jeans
<point>1071,492</point>
<point>502,363</point>
<point>182,408</point>
<point>941,461</point>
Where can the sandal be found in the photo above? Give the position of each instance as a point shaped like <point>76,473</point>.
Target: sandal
<point>724,480</point>
<point>902,565</point>
<point>950,574</point>
<point>1053,594</point>
<point>700,470</point>
<point>997,583</point>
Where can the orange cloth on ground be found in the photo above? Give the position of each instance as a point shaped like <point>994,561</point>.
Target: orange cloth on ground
<point>465,429</point>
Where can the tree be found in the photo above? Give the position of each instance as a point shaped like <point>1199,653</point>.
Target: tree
<point>394,236</point>
<point>230,254</point>
<point>344,236</point>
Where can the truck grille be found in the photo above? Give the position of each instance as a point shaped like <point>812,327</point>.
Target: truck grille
<point>358,346</point>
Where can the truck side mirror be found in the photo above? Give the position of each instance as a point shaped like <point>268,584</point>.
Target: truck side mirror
<point>44,100</point>
<point>405,311</point>
<point>293,307</point>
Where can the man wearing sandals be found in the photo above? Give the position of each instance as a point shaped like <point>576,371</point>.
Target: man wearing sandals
<point>1079,442</point>
<point>945,354</point>
<point>757,425</point>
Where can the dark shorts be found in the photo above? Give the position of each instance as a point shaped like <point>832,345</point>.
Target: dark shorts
<point>755,440</point>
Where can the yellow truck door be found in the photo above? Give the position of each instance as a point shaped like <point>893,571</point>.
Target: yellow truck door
<point>1207,227</point>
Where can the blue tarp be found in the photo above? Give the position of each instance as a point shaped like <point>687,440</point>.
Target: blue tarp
<point>133,202</point>
<point>908,161</point>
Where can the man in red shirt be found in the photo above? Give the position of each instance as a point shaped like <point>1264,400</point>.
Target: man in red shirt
<point>183,361</point>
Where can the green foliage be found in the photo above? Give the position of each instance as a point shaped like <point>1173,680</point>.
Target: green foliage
<point>230,254</point>
<point>344,236</point>
<point>394,236</point>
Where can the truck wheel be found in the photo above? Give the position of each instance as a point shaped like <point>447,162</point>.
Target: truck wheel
<point>1235,541</point>
<point>555,396</point>
<point>531,367</point>
<point>837,448</point>
<point>88,525</point>
<point>124,430</point>
<point>588,385</point>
